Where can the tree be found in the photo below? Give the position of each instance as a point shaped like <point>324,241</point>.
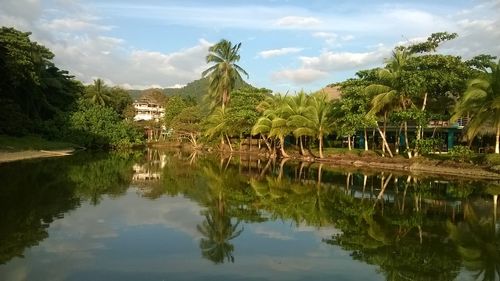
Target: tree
<point>274,121</point>
<point>225,72</point>
<point>187,124</point>
<point>482,101</point>
<point>98,93</point>
<point>314,121</point>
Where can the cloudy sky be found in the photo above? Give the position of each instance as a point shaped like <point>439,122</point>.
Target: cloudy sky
<point>286,45</point>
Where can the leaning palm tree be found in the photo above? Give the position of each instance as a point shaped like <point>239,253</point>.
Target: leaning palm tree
<point>225,72</point>
<point>482,101</point>
<point>218,125</point>
<point>388,95</point>
<point>98,93</point>
<point>314,121</point>
<point>274,121</point>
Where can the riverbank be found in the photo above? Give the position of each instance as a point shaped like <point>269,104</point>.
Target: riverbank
<point>369,160</point>
<point>29,147</point>
<point>31,154</point>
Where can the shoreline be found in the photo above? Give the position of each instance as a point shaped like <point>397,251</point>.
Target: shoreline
<point>6,156</point>
<point>417,166</point>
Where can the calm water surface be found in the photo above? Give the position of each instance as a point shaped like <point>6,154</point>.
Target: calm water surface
<point>174,216</point>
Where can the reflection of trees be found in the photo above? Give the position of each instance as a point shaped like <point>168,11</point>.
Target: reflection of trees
<point>478,243</point>
<point>34,193</point>
<point>218,230</point>
<point>97,175</point>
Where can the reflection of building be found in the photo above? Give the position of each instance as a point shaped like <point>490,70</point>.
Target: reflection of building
<point>151,170</point>
<point>148,110</point>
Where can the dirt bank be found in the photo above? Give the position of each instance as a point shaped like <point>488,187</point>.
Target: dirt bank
<point>30,154</point>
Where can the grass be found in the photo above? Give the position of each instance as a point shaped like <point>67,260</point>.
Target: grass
<point>13,144</point>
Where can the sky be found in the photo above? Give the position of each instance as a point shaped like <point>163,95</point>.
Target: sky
<point>287,46</point>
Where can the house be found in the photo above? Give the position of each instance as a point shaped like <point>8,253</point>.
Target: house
<point>146,110</point>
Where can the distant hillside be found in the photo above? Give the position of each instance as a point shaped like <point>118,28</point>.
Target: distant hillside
<point>196,89</point>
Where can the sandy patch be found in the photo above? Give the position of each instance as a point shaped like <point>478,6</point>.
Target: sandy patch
<point>30,154</point>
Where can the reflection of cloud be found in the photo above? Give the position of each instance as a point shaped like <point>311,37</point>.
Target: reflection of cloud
<point>261,230</point>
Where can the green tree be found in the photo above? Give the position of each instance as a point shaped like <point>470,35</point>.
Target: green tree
<point>225,72</point>
<point>98,93</point>
<point>482,101</point>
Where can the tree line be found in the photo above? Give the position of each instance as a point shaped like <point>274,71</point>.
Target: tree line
<point>36,97</point>
<point>415,86</point>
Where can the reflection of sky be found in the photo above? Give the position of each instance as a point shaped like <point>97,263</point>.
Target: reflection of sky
<point>133,238</point>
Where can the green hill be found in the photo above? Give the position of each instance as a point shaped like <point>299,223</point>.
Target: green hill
<point>196,89</point>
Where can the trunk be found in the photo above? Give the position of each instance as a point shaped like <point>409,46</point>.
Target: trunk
<point>383,187</point>
<point>349,142</point>
<point>222,142</point>
<point>366,140</point>
<point>320,138</point>
<point>282,147</point>
<point>267,144</point>
<point>495,199</point>
<point>384,141</point>
<point>384,129</point>
<point>229,143</point>
<point>301,145</point>
<point>405,126</point>
<point>319,175</point>
<point>249,143</point>
<point>497,142</point>
<point>398,139</point>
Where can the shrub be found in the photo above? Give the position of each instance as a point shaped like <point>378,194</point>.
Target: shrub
<point>426,146</point>
<point>461,153</point>
<point>492,159</point>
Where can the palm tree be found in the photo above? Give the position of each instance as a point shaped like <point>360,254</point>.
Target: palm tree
<point>389,95</point>
<point>297,106</point>
<point>482,101</point>
<point>98,93</point>
<point>218,125</point>
<point>314,121</point>
<point>274,122</point>
<point>225,72</point>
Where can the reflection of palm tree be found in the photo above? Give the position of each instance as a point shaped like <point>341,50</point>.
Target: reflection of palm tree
<point>478,243</point>
<point>218,230</point>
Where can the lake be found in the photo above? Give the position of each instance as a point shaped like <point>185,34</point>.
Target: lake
<point>160,215</point>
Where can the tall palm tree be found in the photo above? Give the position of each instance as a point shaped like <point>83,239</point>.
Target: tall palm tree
<point>297,106</point>
<point>482,101</point>
<point>98,93</point>
<point>225,72</point>
<point>389,95</point>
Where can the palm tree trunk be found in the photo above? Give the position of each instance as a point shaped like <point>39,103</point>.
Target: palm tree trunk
<point>384,141</point>
<point>320,138</point>
<point>282,147</point>
<point>349,142</point>
<point>229,143</point>
<point>497,142</point>
<point>407,144</point>
<point>366,140</point>
<point>301,145</point>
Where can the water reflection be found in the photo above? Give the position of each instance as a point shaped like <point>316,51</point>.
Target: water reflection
<point>408,227</point>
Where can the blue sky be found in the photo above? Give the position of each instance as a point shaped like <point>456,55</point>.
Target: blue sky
<point>286,45</point>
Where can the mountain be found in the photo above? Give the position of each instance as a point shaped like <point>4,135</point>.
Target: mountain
<point>196,89</point>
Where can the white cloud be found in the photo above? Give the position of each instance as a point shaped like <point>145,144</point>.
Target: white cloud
<point>279,52</point>
<point>318,67</point>
<point>299,75</point>
<point>298,22</point>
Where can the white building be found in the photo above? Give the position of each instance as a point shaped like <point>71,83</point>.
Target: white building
<point>148,110</point>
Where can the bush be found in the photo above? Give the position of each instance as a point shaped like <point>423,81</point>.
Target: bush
<point>97,126</point>
<point>461,153</point>
<point>492,159</point>
<point>426,146</point>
